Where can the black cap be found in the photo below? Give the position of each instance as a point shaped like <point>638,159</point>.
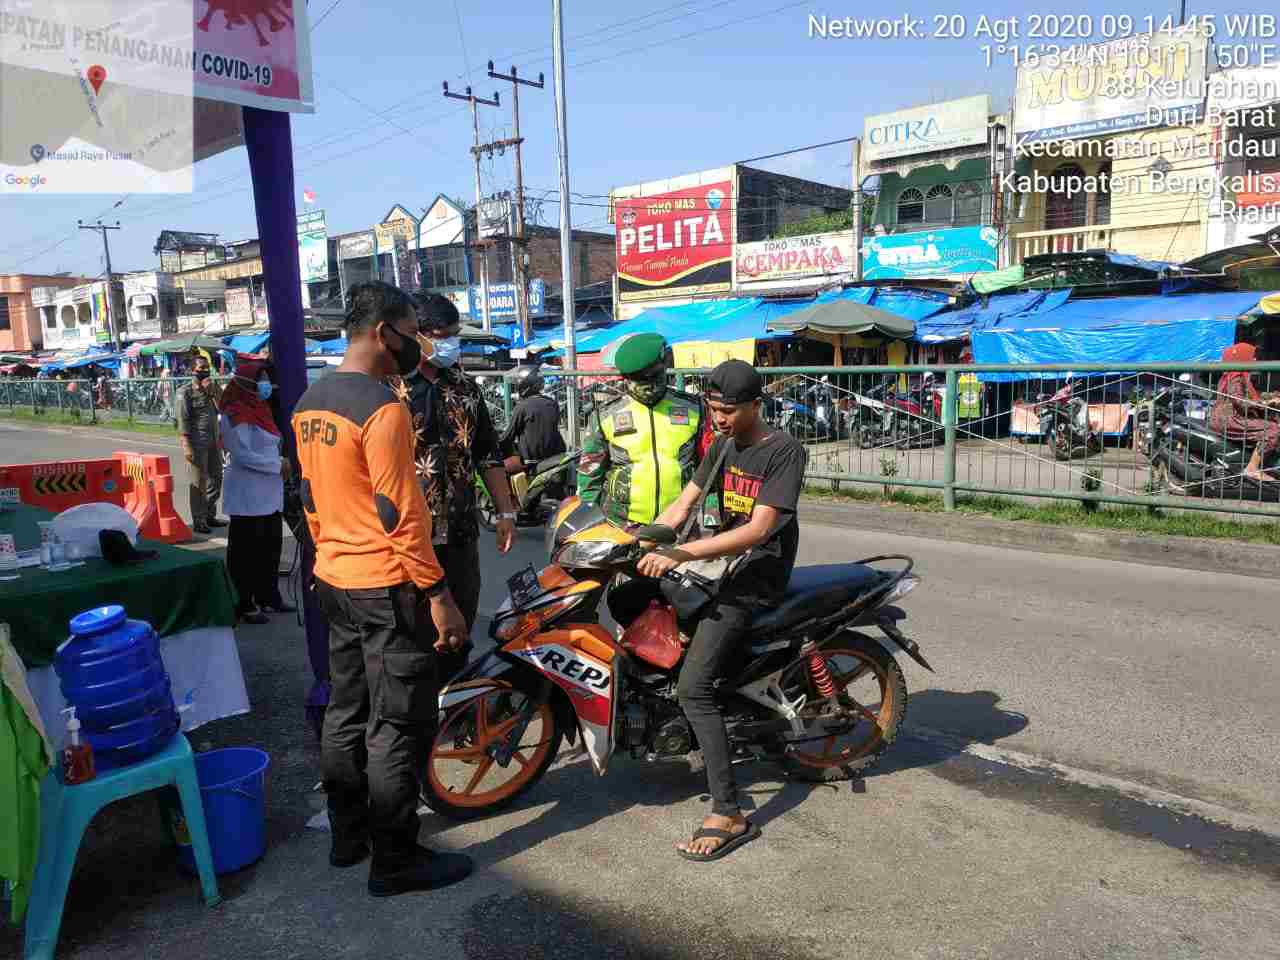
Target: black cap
<point>736,381</point>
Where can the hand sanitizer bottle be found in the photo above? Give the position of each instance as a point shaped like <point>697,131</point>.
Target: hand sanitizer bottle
<point>77,757</point>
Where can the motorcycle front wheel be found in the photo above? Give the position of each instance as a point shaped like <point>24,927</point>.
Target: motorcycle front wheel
<point>846,732</point>
<point>465,777</point>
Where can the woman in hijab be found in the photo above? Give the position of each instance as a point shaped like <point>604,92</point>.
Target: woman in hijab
<point>1239,413</point>
<point>253,491</point>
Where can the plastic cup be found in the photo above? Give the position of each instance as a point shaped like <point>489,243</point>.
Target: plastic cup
<point>46,531</point>
<point>8,550</point>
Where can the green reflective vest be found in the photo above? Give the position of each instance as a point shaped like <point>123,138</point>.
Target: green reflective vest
<point>639,458</point>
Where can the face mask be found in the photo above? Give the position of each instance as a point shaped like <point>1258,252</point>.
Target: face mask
<point>264,389</point>
<point>202,375</point>
<point>445,352</point>
<point>650,391</point>
<point>407,354</point>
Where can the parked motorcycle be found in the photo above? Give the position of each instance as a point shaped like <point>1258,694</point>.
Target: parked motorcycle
<point>884,417</point>
<point>811,413</point>
<point>548,481</point>
<point>819,689</point>
<point>1065,426</point>
<point>1190,458</point>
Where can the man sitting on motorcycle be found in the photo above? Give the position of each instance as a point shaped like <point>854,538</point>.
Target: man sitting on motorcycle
<point>534,432</point>
<point>759,478</point>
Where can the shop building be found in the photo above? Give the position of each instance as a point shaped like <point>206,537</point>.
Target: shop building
<point>75,318</point>
<point>27,310</point>
<point>735,229</point>
<point>1113,152</point>
<point>931,172</point>
<point>1245,103</point>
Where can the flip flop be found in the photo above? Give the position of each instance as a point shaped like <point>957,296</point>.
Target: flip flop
<point>732,841</point>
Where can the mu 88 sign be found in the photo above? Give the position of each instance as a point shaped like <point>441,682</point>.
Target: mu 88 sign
<point>680,240</point>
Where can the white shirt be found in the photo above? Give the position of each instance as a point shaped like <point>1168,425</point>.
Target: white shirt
<point>252,486</point>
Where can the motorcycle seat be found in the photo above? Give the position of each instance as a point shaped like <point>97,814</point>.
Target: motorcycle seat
<point>816,590</point>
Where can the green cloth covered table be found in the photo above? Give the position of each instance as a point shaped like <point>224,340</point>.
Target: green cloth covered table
<point>176,591</point>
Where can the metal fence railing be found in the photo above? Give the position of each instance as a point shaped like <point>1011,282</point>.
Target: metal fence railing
<point>134,400</point>
<point>1156,435</point>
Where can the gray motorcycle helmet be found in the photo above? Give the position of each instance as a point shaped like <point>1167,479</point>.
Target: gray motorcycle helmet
<point>526,381</point>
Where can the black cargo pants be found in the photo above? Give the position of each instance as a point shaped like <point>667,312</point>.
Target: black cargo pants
<point>381,717</point>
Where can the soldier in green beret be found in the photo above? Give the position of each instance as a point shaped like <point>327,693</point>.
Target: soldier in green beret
<point>643,448</point>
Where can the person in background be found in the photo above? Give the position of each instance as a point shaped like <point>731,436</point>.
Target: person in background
<point>376,575</point>
<point>197,404</point>
<point>253,492</point>
<point>1239,413</point>
<point>453,440</point>
<point>534,432</point>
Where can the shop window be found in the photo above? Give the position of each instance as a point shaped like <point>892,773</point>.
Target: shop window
<point>910,207</point>
<point>445,267</point>
<point>968,205</point>
<point>69,317</point>
<point>1102,199</point>
<point>50,317</point>
<point>85,313</point>
<point>1266,143</point>
<point>939,204</point>
<point>5,323</point>
<point>1065,205</point>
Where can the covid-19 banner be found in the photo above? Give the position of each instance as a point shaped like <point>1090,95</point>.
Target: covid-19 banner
<point>313,247</point>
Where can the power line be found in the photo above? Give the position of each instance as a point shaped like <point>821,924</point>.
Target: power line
<point>328,10</point>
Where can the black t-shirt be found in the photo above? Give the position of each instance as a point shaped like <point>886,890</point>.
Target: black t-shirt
<point>770,472</point>
<point>535,429</point>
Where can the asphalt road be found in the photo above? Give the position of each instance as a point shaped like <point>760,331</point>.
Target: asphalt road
<point>1091,773</point>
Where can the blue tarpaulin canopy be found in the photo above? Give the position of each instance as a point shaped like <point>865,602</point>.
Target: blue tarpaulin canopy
<point>109,361</point>
<point>958,324</point>
<point>248,342</point>
<point>1193,327</point>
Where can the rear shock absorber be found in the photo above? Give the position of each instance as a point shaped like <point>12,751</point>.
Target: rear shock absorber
<point>818,670</point>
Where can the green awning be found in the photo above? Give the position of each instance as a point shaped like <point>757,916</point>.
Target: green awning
<point>183,344</point>
<point>998,279</point>
<point>845,317</point>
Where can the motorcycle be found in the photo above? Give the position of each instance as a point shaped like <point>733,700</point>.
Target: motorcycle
<point>883,417</point>
<point>547,478</point>
<point>819,690</point>
<point>1190,458</point>
<point>1065,426</point>
<point>811,413</point>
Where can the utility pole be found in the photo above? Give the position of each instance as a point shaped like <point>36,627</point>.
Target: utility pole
<point>857,209</point>
<point>518,244</point>
<point>566,231</point>
<point>475,152</point>
<point>106,251</point>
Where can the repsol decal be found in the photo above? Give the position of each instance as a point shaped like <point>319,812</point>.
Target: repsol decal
<point>571,665</point>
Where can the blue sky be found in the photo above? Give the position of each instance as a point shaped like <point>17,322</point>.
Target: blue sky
<point>655,89</point>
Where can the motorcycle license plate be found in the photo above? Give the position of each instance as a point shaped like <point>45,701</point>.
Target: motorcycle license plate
<point>523,586</point>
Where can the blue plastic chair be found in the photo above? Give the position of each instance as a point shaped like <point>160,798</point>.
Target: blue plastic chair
<point>66,811</point>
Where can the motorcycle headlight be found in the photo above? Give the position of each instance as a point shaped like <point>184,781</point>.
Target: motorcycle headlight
<point>590,553</point>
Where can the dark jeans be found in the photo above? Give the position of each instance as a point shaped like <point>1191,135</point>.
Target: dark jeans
<point>717,637</point>
<point>460,561</point>
<point>253,559</point>
<point>381,716</point>
<point>205,473</point>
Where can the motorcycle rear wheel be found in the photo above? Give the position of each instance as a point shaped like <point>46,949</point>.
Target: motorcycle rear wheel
<point>857,664</point>
<point>460,762</point>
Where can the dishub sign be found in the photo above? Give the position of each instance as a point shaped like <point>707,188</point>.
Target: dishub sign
<point>682,239</point>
